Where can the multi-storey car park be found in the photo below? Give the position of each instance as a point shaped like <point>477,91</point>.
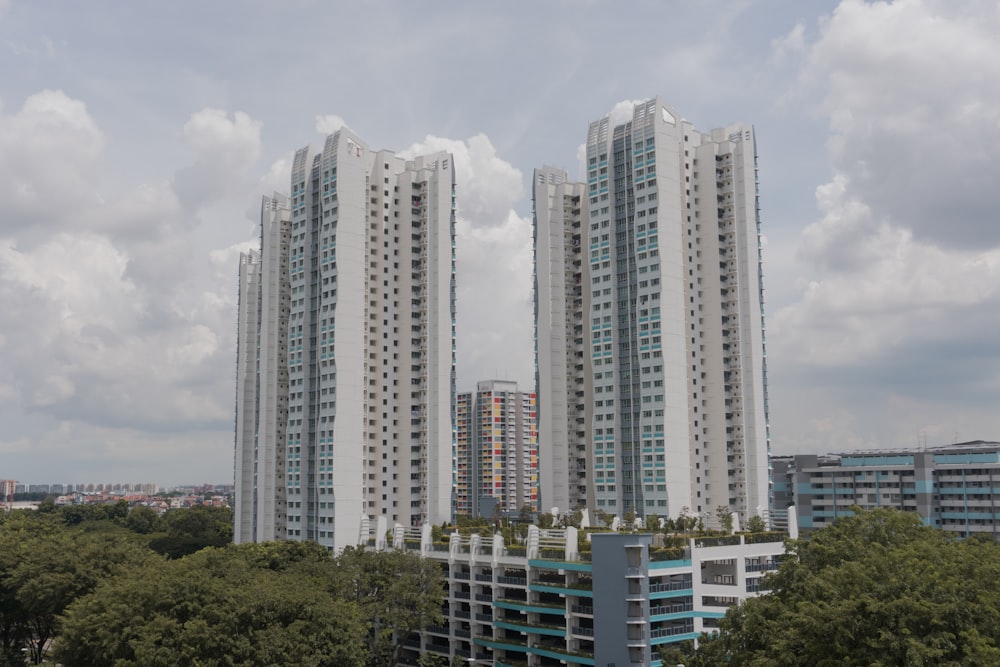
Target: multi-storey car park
<point>547,602</point>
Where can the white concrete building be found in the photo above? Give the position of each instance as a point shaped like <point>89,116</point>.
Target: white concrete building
<point>562,361</point>
<point>369,346</point>
<point>669,318</point>
<point>262,380</point>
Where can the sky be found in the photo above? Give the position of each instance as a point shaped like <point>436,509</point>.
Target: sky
<point>136,139</point>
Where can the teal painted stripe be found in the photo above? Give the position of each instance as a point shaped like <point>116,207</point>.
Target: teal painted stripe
<point>552,632</point>
<point>513,606</point>
<point>674,638</point>
<point>664,564</point>
<point>684,592</point>
<point>671,617</point>
<point>577,592</point>
<point>560,565</point>
<point>558,655</point>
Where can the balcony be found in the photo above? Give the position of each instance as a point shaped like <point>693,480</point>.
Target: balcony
<point>672,630</point>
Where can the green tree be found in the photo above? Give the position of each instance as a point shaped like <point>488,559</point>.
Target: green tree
<point>141,520</point>
<point>725,517</point>
<point>44,567</point>
<point>574,519</point>
<point>247,605</point>
<point>756,524</point>
<point>398,592</point>
<point>525,513</point>
<point>876,588</point>
<point>191,529</point>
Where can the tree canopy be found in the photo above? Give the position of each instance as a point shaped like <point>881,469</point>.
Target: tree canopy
<point>241,605</point>
<point>397,592</point>
<point>95,592</point>
<point>877,588</point>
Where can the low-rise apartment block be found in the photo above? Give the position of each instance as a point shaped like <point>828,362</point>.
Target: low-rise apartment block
<point>953,487</point>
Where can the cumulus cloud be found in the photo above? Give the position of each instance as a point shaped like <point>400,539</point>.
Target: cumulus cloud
<point>908,292</point>
<point>226,151</point>
<point>493,248</point>
<point>48,151</point>
<point>494,302</point>
<point>117,326</point>
<point>899,279</point>
<point>912,91</point>
<point>622,111</point>
<point>487,184</point>
<point>79,347</point>
<point>330,123</point>
<point>277,177</point>
<point>789,45</point>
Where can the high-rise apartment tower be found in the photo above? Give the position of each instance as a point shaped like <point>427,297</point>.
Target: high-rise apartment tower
<point>497,450</point>
<point>649,322</point>
<point>346,372</point>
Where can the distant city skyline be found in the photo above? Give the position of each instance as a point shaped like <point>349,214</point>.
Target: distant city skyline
<point>21,486</point>
<point>135,144</point>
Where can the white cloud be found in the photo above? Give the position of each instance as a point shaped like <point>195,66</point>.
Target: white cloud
<point>494,302</point>
<point>905,292</point>
<point>149,212</point>
<point>277,178</point>
<point>78,336</point>
<point>117,319</point>
<point>789,45</point>
<point>227,150</point>
<point>894,328</point>
<point>493,248</point>
<point>913,97</point>
<point>48,151</point>
<point>487,185</point>
<point>622,111</point>
<point>330,123</point>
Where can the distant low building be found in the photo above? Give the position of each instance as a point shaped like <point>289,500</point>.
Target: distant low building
<point>953,487</point>
<point>7,490</point>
